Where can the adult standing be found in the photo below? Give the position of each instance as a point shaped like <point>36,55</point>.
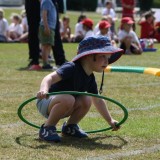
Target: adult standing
<point>128,9</point>
<point>32,8</point>
<point>58,51</point>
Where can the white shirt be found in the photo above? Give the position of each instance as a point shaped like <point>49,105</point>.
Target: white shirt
<point>3,26</point>
<point>79,31</point>
<point>15,28</point>
<point>90,33</point>
<point>110,12</point>
<point>113,3</point>
<point>107,35</point>
<point>123,34</point>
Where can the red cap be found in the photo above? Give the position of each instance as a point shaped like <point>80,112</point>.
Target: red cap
<point>88,22</point>
<point>104,24</point>
<point>127,20</point>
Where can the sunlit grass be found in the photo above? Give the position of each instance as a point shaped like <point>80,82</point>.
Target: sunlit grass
<point>139,93</point>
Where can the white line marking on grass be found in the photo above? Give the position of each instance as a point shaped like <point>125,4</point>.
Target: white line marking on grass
<point>144,108</point>
<point>119,155</point>
<point>11,125</point>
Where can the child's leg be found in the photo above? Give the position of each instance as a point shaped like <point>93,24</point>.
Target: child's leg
<point>59,107</point>
<point>46,48</point>
<point>127,43</point>
<point>81,107</point>
<point>135,49</point>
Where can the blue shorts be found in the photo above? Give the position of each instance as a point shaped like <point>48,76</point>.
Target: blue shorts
<point>43,104</point>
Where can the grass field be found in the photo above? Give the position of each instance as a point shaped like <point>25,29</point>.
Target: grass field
<point>138,138</point>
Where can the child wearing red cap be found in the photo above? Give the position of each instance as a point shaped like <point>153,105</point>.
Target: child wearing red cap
<point>104,28</point>
<point>94,54</point>
<point>128,38</point>
<point>147,25</point>
<point>88,27</point>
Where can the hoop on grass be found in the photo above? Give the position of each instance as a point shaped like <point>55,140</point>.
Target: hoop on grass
<point>77,93</point>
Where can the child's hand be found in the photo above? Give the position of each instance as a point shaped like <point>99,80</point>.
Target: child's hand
<point>42,94</point>
<point>113,125</point>
<point>47,31</point>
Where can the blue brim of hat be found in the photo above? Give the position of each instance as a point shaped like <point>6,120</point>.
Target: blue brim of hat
<point>116,53</point>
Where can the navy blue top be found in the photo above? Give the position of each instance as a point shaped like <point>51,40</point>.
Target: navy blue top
<point>74,78</point>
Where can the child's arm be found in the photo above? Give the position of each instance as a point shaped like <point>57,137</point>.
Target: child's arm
<point>46,27</point>
<point>46,83</point>
<point>140,20</point>
<point>103,110</point>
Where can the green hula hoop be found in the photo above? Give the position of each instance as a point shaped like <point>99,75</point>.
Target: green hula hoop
<point>77,93</point>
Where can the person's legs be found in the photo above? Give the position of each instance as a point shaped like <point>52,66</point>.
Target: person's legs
<point>33,18</point>
<point>58,51</point>
<point>46,48</point>
<point>126,46</point>
<point>60,106</point>
<point>81,107</point>
<point>54,108</point>
<point>134,49</point>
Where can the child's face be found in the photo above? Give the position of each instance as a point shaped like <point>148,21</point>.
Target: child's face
<point>100,62</point>
<point>150,19</point>
<point>104,31</point>
<point>127,27</point>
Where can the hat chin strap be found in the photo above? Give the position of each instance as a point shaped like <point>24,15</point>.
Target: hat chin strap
<point>101,87</point>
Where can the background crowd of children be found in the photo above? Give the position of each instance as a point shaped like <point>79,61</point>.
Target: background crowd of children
<point>17,30</point>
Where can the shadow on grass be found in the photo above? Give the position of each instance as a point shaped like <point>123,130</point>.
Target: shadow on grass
<point>94,141</point>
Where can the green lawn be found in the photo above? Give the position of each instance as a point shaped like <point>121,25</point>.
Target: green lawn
<point>138,138</point>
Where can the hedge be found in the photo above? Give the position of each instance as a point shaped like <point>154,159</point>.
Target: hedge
<point>82,5</point>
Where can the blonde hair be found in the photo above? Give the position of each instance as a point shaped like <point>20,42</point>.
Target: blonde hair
<point>16,16</point>
<point>2,12</point>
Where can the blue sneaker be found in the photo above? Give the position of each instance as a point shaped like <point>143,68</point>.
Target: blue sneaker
<point>49,134</point>
<point>73,130</point>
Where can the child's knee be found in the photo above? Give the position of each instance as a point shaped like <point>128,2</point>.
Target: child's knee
<point>86,102</point>
<point>68,100</point>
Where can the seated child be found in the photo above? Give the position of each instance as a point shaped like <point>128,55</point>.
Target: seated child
<point>79,31</point>
<point>3,27</point>
<point>147,25</point>
<point>88,27</point>
<point>15,29</point>
<point>65,29</point>
<point>94,54</point>
<point>109,11</point>
<point>128,39</point>
<point>104,28</point>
